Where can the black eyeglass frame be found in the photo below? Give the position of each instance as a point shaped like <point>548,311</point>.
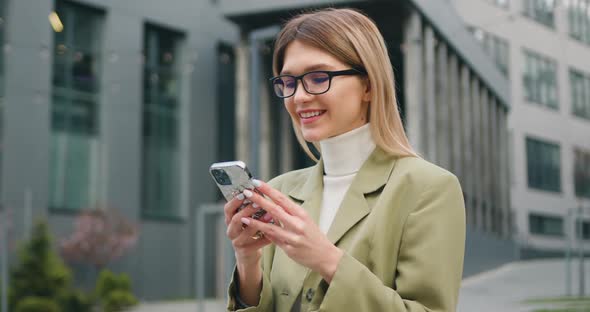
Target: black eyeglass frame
<point>346,72</point>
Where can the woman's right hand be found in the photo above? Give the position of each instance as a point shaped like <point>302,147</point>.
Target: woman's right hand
<point>248,250</point>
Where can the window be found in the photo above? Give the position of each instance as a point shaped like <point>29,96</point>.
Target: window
<point>540,80</point>
<point>500,3</point>
<point>543,165</point>
<point>160,164</point>
<point>545,225</point>
<point>580,89</point>
<point>582,173</point>
<point>541,11</point>
<point>495,47</point>
<point>74,142</point>
<point>585,230</point>
<point>579,19</point>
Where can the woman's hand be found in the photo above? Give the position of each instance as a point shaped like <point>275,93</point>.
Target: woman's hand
<point>248,250</point>
<point>300,238</point>
<point>247,247</point>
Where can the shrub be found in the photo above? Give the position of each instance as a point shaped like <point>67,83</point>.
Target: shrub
<point>118,300</point>
<point>114,291</point>
<point>40,272</point>
<point>37,304</point>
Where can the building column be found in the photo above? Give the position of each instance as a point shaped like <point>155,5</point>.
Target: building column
<point>494,169</point>
<point>467,142</point>
<point>242,99</point>
<point>455,117</point>
<point>413,77</point>
<point>504,180</point>
<point>476,148</point>
<point>429,136</point>
<point>443,137</point>
<point>485,157</point>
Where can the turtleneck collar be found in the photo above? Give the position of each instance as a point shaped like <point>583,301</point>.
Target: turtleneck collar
<point>345,154</point>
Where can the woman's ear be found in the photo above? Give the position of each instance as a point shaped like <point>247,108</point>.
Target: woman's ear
<point>367,93</point>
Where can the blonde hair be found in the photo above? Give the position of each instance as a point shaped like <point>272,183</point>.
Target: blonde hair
<point>354,39</point>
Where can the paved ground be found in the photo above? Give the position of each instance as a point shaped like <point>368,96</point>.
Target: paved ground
<point>500,290</point>
<point>504,289</point>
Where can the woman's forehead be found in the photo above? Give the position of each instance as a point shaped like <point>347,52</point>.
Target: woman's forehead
<point>302,57</point>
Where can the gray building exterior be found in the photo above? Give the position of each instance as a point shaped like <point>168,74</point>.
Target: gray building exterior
<point>128,110</point>
<point>543,48</point>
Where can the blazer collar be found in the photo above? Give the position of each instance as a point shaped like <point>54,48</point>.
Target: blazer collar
<point>371,177</point>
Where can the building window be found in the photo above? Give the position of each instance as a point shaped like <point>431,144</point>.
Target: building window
<point>585,230</point>
<point>582,173</point>
<point>545,225</point>
<point>161,103</point>
<point>580,88</point>
<point>579,19</point>
<point>74,176</point>
<point>543,165</point>
<point>540,80</point>
<point>495,47</point>
<point>500,3</point>
<point>542,11</point>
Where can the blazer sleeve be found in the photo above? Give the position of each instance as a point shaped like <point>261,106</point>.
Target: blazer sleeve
<point>266,299</point>
<point>430,262</point>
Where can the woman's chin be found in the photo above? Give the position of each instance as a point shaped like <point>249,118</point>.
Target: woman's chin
<point>312,136</point>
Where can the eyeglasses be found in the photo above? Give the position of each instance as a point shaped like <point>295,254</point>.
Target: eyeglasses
<point>314,82</point>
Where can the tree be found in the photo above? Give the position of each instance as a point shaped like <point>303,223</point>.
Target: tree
<point>40,272</point>
<point>100,236</point>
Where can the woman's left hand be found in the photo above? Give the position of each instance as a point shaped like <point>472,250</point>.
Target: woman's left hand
<point>299,237</point>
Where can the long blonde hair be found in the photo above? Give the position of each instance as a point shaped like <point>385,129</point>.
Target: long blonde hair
<point>354,39</point>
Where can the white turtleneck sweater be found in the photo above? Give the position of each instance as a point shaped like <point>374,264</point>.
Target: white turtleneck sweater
<point>343,156</point>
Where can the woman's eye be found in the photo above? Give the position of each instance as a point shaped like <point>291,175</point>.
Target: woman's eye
<point>318,80</point>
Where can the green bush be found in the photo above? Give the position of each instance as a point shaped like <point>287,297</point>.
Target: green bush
<point>40,271</point>
<point>37,304</point>
<point>114,291</point>
<point>76,301</point>
<point>109,282</point>
<point>118,300</point>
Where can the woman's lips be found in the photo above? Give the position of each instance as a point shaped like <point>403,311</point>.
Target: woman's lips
<point>309,120</point>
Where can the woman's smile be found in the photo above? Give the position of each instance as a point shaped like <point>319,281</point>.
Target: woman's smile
<point>310,116</point>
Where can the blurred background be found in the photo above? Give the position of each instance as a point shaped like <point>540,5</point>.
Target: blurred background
<point>111,113</point>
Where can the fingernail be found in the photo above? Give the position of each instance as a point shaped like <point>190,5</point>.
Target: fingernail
<point>248,193</point>
<point>267,217</point>
<point>240,196</point>
<point>256,183</point>
<point>245,221</point>
<point>255,205</point>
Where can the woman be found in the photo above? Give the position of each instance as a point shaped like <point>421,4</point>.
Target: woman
<point>370,227</point>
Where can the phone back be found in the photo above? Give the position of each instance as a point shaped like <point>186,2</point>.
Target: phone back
<point>232,177</point>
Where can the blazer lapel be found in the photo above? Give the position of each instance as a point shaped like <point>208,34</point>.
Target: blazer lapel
<point>371,177</point>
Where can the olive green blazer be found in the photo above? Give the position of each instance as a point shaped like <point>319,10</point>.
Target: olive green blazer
<point>401,226</point>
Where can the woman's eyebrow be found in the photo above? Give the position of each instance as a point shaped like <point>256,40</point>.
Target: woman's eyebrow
<point>319,66</point>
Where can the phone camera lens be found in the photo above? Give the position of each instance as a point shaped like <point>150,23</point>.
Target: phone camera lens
<point>221,177</point>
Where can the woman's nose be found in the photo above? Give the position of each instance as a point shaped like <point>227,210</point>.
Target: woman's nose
<point>300,94</point>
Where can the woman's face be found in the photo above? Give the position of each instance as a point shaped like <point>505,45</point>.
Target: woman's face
<point>342,108</point>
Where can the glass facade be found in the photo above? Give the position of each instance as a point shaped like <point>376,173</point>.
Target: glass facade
<point>74,172</point>
<point>580,93</point>
<point>540,80</point>
<point>579,20</point>
<point>160,132</point>
<point>582,173</point>
<point>542,11</point>
<point>543,165</point>
<point>545,225</point>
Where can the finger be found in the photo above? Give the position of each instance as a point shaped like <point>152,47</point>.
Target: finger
<point>245,239</point>
<point>277,234</point>
<point>229,209</point>
<point>274,209</point>
<point>235,226</point>
<point>279,198</point>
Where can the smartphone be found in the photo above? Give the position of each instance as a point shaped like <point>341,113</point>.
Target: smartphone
<point>232,178</point>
